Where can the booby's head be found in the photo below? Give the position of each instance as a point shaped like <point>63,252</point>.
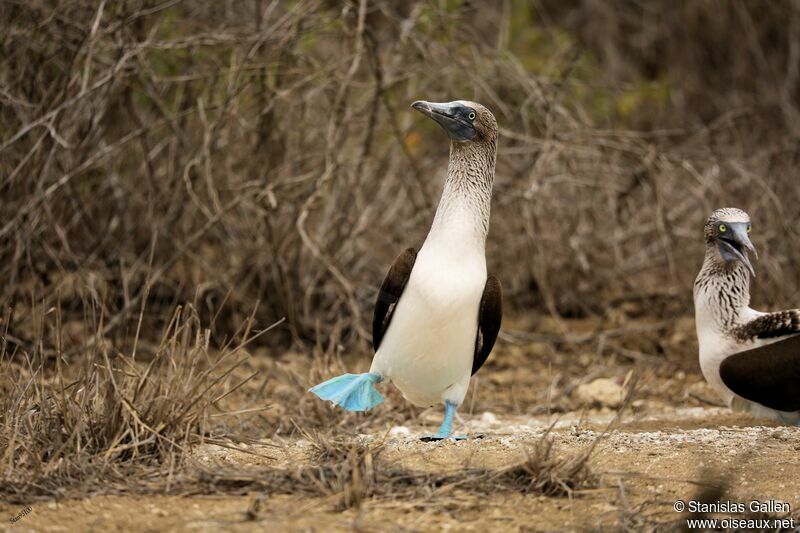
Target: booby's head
<point>463,121</point>
<point>727,235</point>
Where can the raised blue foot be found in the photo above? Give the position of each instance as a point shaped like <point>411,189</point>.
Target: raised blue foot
<point>446,429</point>
<point>353,392</point>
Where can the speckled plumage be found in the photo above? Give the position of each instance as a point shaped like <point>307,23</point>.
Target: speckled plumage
<point>724,286</point>
<point>727,325</point>
<point>770,325</point>
<point>470,175</point>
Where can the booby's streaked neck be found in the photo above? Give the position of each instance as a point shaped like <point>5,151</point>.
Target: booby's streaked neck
<point>465,206</point>
<point>724,288</point>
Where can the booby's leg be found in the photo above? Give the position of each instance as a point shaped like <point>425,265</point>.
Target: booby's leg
<point>353,392</point>
<point>446,428</point>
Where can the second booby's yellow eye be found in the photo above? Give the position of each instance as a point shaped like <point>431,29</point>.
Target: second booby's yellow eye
<point>749,228</point>
<point>723,228</point>
<point>472,116</point>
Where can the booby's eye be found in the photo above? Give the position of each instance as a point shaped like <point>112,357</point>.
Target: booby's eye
<point>749,228</point>
<point>471,116</point>
<point>723,228</point>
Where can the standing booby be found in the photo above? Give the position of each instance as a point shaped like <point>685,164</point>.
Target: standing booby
<point>751,358</point>
<point>438,314</point>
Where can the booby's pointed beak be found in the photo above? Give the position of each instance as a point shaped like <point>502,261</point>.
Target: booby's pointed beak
<point>735,244</point>
<point>455,118</point>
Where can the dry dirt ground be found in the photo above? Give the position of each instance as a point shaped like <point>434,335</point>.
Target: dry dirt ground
<point>670,444</point>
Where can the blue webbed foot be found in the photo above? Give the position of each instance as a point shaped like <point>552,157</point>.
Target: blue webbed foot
<point>353,392</point>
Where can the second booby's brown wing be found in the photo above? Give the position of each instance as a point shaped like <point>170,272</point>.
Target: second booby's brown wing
<point>770,325</point>
<point>490,314</point>
<point>389,294</point>
<point>768,375</point>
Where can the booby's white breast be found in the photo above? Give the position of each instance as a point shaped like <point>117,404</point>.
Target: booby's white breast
<point>428,349</point>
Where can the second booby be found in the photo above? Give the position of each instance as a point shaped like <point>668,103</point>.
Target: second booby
<point>438,313</point>
<point>751,358</point>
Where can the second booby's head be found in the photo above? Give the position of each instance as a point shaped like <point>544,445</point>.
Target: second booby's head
<point>462,120</point>
<point>727,234</point>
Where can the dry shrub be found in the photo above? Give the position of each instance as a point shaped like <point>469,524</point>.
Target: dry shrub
<point>720,57</point>
<point>545,472</point>
<point>349,473</point>
<point>352,472</point>
<point>237,151</point>
<point>110,421</point>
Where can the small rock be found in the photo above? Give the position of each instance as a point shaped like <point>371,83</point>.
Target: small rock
<point>398,431</point>
<point>702,391</point>
<point>488,418</point>
<point>780,434</point>
<point>602,392</point>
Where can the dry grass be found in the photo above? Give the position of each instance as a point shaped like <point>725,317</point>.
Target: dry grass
<point>125,425</point>
<point>111,422</point>
<point>353,472</point>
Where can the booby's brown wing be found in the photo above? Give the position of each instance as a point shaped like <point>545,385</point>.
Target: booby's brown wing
<point>770,325</point>
<point>769,375</point>
<point>388,296</point>
<point>490,314</point>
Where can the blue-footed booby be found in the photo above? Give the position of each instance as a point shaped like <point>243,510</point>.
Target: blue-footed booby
<point>438,313</point>
<point>751,358</point>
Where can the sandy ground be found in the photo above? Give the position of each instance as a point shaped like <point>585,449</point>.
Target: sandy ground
<point>645,465</point>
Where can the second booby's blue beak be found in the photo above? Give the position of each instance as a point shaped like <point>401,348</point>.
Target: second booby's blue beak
<point>734,244</point>
<point>454,117</point>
